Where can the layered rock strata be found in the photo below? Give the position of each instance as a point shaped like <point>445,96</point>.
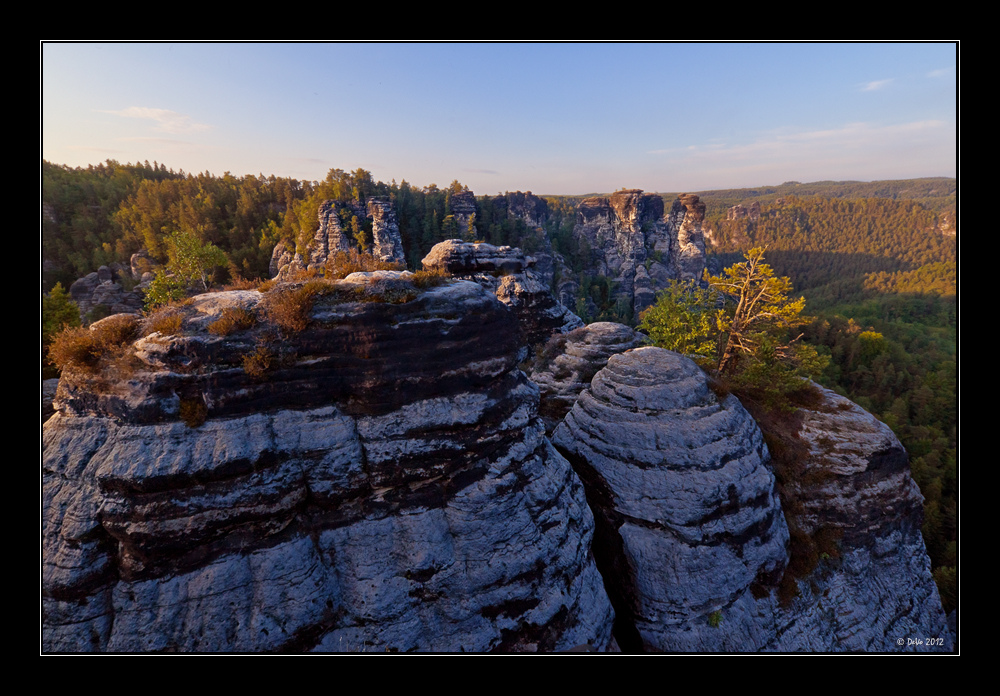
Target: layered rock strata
<point>687,511</point>
<point>382,483</point>
<point>507,273</point>
<point>691,537</point>
<point>569,361</point>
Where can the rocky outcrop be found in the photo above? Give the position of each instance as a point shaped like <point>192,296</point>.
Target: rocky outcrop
<point>640,246</point>
<point>507,273</point>
<point>852,482</point>
<point>379,481</point>
<point>691,535</point>
<point>740,212</point>
<point>463,207</point>
<point>569,361</point>
<point>524,206</point>
<point>387,245</point>
<point>687,510</point>
<point>102,293</point>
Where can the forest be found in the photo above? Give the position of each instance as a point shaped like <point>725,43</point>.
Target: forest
<point>877,263</point>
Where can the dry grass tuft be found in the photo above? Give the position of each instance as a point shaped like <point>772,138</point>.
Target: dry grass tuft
<point>260,361</point>
<point>165,320</point>
<point>341,264</point>
<point>289,308</point>
<point>241,283</point>
<point>194,412</point>
<point>430,279</point>
<point>88,349</point>
<point>233,319</point>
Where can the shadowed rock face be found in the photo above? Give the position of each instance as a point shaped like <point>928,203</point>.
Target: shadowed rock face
<point>691,535</point>
<point>569,361</point>
<point>386,485</point>
<point>855,479</point>
<point>688,514</point>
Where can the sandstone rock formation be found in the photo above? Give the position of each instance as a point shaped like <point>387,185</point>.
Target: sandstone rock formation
<point>101,293</point>
<point>569,361</point>
<point>687,510</point>
<point>691,535</point>
<point>854,480</point>
<point>525,206</point>
<point>506,272</point>
<point>331,237</point>
<point>463,207</point>
<point>387,244</point>
<point>380,482</point>
<point>633,241</point>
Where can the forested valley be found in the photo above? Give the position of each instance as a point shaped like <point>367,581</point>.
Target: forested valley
<point>876,262</point>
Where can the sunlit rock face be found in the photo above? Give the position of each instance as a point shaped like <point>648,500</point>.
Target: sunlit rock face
<point>634,240</point>
<point>385,484</point>
<point>692,536</point>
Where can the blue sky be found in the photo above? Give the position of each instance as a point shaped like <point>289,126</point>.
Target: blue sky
<point>552,118</point>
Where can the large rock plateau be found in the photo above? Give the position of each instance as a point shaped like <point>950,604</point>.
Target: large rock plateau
<point>385,484</point>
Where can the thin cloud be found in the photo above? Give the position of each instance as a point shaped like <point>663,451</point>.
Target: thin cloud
<point>166,120</point>
<point>875,85</point>
<point>858,149</point>
<point>939,73</point>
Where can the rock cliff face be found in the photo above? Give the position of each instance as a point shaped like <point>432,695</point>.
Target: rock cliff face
<point>507,273</point>
<point>387,245</point>
<point>384,484</point>
<point>633,241</point>
<point>463,207</point>
<point>691,535</point>
<point>525,206</point>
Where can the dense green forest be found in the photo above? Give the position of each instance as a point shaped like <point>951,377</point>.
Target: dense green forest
<point>880,277</point>
<point>876,262</point>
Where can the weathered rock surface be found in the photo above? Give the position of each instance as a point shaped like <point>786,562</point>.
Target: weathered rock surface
<point>387,244</point>
<point>525,206</point>
<point>507,273</point>
<point>634,241</point>
<point>386,485</point>
<point>101,293</point>
<point>569,361</point>
<point>691,537</point>
<point>463,208</point>
<point>855,479</point>
<point>687,509</point>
